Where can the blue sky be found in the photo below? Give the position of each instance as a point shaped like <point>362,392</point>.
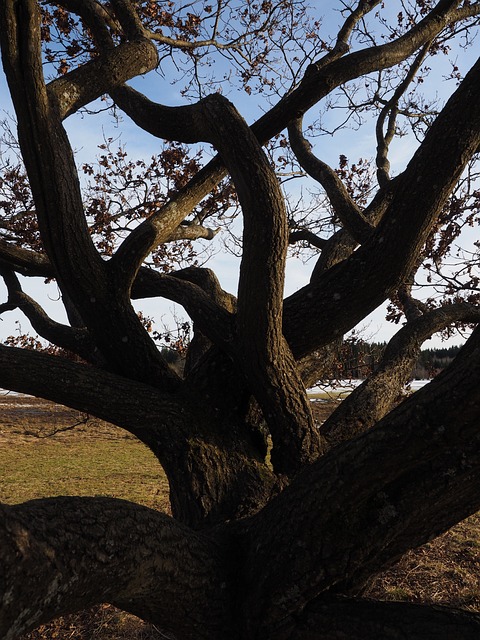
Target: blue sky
<point>86,133</point>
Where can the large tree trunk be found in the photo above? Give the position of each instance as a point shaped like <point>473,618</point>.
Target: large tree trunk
<point>254,551</point>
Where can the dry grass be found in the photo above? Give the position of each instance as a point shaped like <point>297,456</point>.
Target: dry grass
<point>442,572</point>
<point>95,458</point>
<point>103,622</point>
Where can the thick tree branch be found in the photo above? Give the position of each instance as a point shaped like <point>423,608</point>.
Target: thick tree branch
<point>24,261</point>
<point>60,555</point>
<point>81,273</point>
<point>212,318</point>
<point>370,401</point>
<point>345,208</point>
<point>160,226</point>
<point>410,478</point>
<point>184,123</point>
<point>91,80</point>
<point>377,268</point>
<point>190,448</point>
<point>192,232</point>
<point>261,349</point>
<point>320,79</point>
<point>96,17</point>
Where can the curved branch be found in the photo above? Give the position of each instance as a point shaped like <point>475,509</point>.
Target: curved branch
<point>63,554</point>
<point>83,387</point>
<point>96,18</point>
<point>160,226</point>
<point>391,489</point>
<point>341,45</point>
<point>128,18</point>
<point>371,400</point>
<point>345,208</point>
<point>87,280</point>
<point>91,80</point>
<point>181,123</point>
<point>45,148</point>
<point>212,318</point>
<point>303,235</point>
<point>377,268</point>
<point>320,79</point>
<point>24,261</point>
<point>76,340</point>
<point>172,123</point>
<point>184,123</point>
<point>261,348</point>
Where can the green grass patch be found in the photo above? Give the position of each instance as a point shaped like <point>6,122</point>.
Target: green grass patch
<point>119,468</point>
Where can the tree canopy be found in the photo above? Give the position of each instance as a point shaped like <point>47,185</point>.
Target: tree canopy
<point>258,546</point>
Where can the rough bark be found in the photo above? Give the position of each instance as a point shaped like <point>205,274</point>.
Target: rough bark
<point>212,471</point>
<point>60,555</point>
<point>262,567</point>
<point>48,157</point>
<point>369,500</point>
<point>370,401</point>
<point>262,351</point>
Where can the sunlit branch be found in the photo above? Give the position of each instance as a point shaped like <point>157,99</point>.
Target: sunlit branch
<point>371,400</point>
<point>93,79</point>
<point>193,232</point>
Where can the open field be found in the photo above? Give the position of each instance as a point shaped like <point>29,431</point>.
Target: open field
<point>48,450</point>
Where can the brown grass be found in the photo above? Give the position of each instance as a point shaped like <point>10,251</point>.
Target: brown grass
<point>94,458</point>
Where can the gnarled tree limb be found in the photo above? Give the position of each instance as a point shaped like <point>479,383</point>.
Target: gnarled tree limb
<point>371,400</point>
<point>367,501</point>
<point>377,268</point>
<point>63,554</point>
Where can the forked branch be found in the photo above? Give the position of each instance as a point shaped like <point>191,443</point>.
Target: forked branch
<point>371,400</point>
<point>344,206</point>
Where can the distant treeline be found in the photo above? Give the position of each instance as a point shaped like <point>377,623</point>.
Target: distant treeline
<point>358,359</point>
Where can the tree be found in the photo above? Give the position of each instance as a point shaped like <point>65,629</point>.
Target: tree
<point>253,550</point>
